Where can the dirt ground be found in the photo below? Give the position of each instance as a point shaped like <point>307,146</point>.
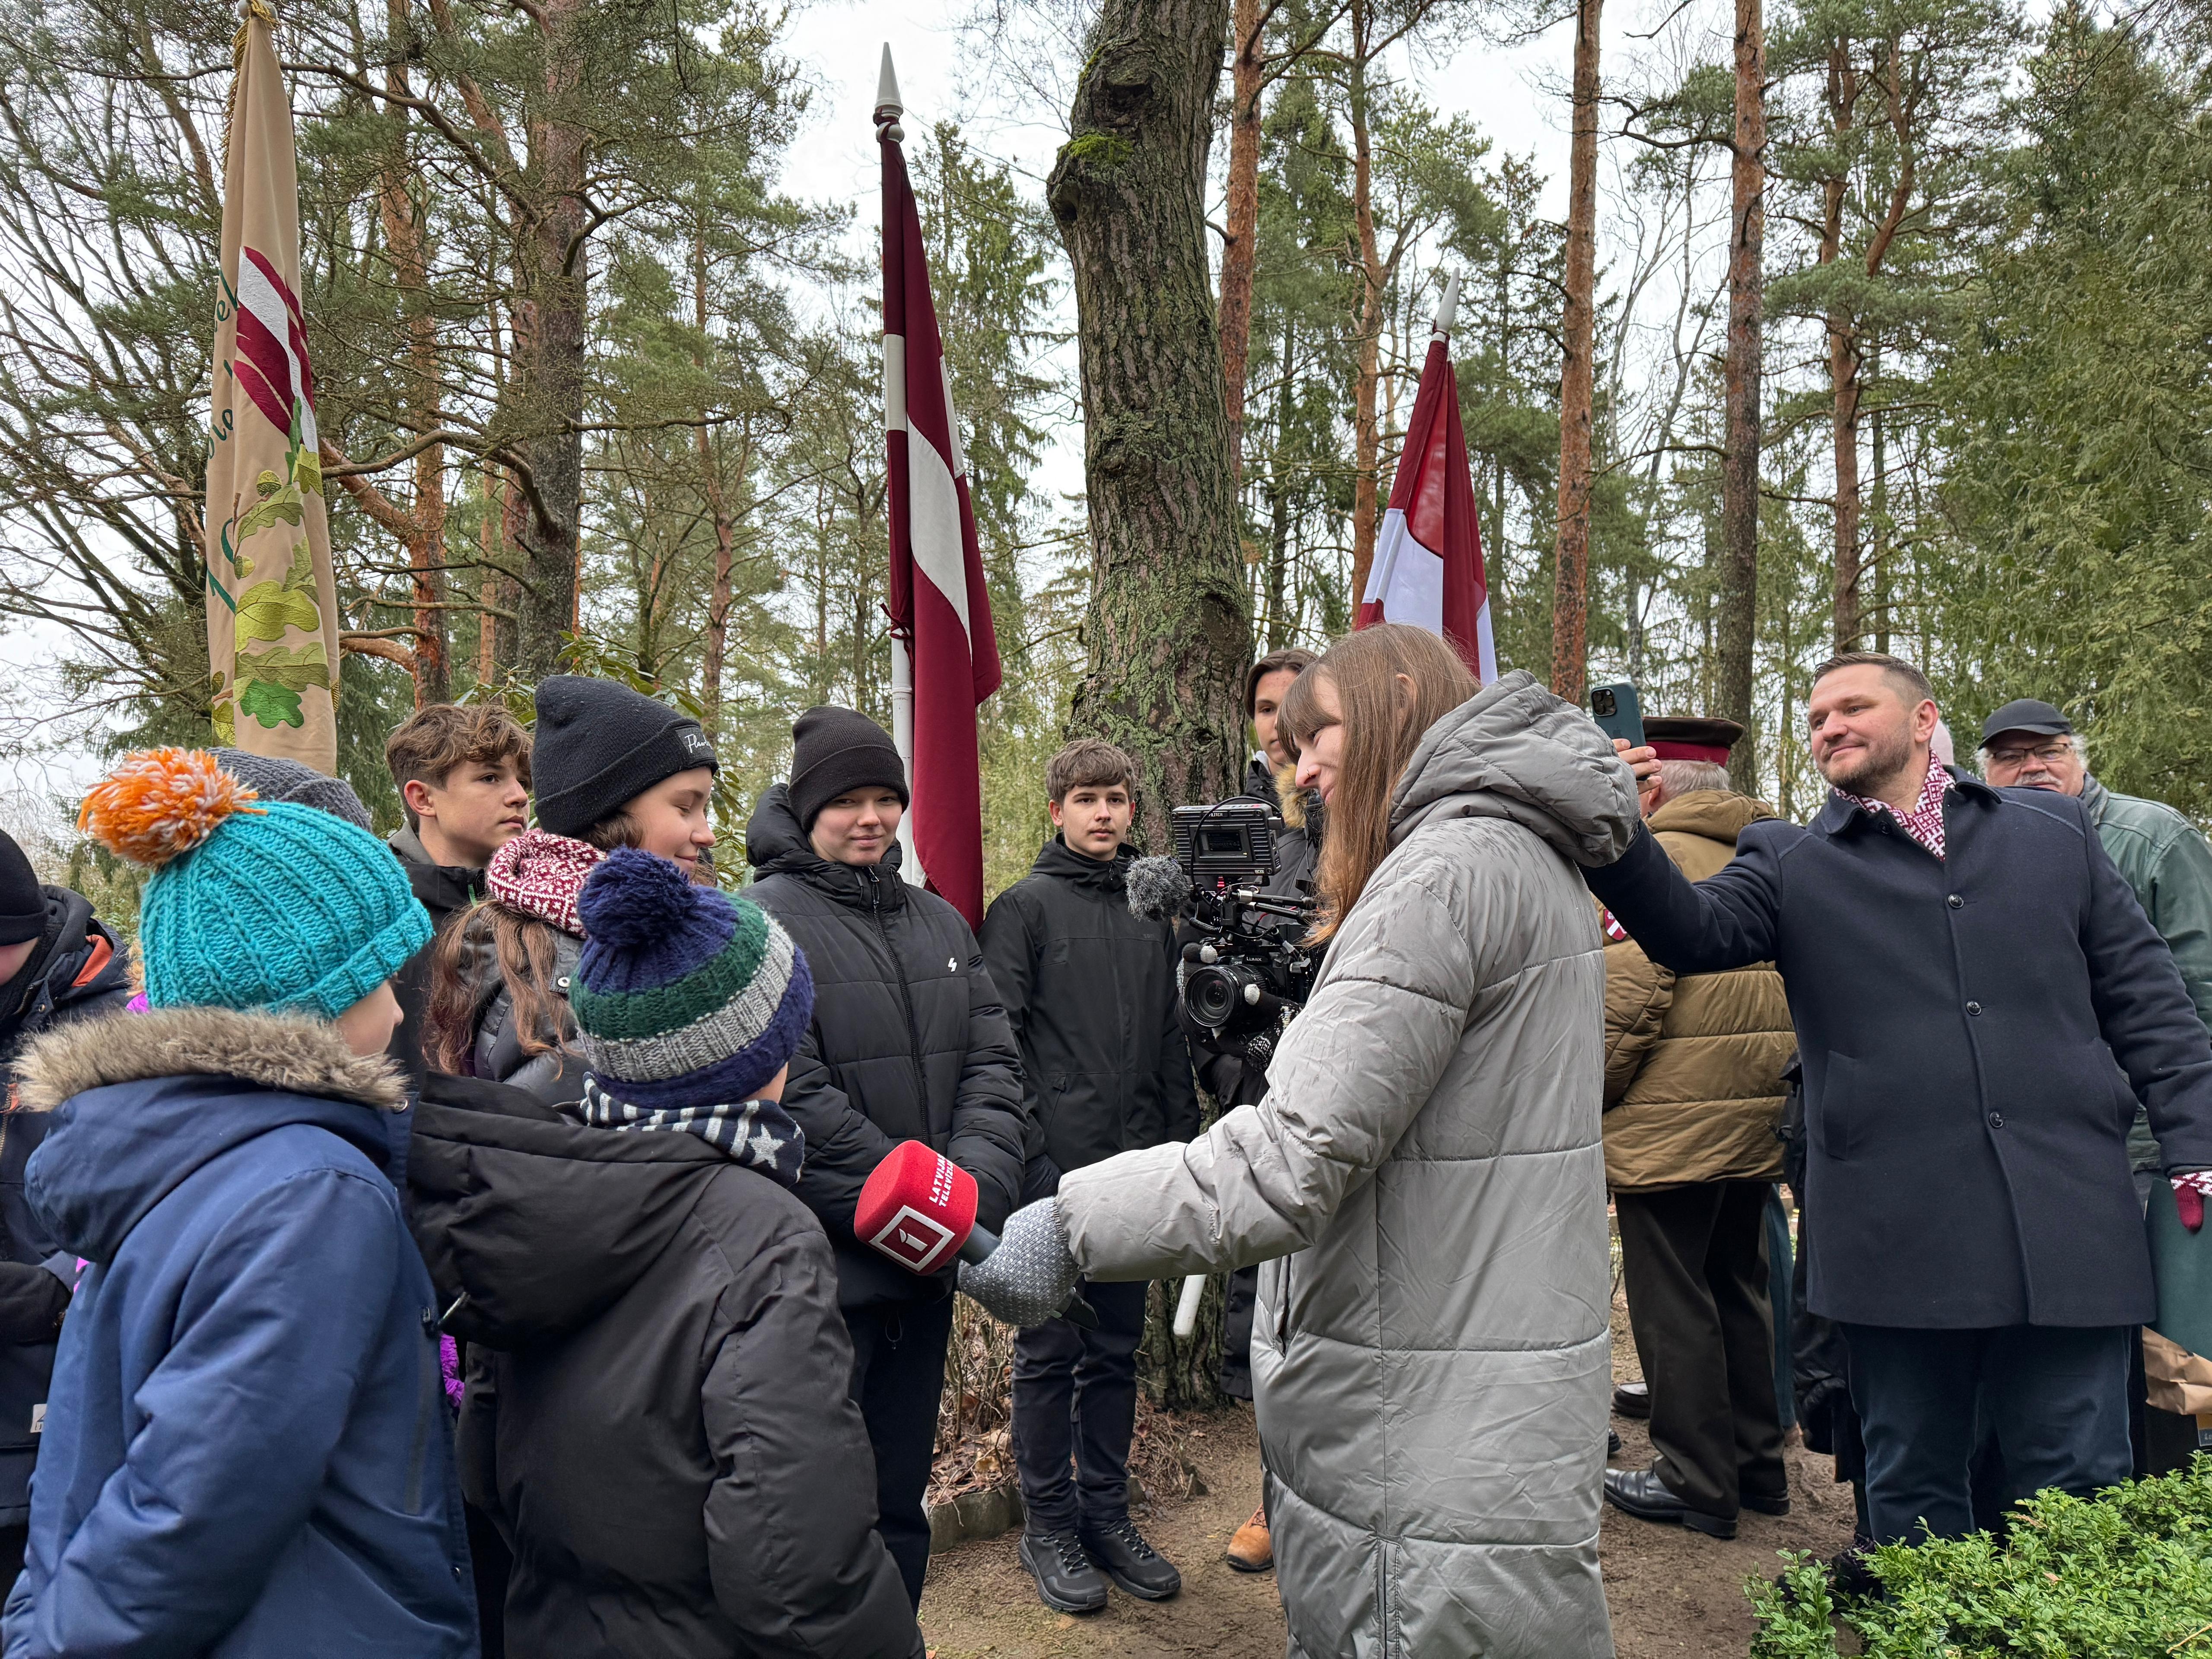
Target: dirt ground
<point>1671,1591</point>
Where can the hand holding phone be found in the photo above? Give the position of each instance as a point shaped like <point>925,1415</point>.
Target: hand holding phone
<point>1619,712</point>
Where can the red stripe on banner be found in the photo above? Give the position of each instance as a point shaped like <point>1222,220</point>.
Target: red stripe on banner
<point>265,352</point>
<point>279,410</point>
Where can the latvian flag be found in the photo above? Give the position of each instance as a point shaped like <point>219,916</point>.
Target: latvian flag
<point>940,608</point>
<point>1428,557</point>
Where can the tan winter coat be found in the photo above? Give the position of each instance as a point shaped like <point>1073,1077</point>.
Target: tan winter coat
<point>1693,1066</point>
<point>1424,1181</point>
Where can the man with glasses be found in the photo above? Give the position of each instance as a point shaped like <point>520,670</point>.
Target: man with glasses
<point>2028,744</point>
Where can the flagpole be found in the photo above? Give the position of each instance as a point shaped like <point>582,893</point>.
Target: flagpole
<point>888,109</point>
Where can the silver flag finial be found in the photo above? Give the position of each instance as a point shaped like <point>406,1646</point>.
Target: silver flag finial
<point>889,107</point>
<point>1447,309</point>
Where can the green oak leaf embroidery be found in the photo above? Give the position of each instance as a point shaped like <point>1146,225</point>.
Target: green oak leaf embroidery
<point>271,704</point>
<point>267,608</point>
<point>270,682</point>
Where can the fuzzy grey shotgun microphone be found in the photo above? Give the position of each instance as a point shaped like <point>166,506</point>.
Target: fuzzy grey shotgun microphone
<point>1158,889</point>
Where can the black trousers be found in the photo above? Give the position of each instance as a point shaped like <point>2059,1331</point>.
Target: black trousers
<point>1693,1262</point>
<point>898,1376</point>
<point>1075,1409</point>
<point>2055,1398</point>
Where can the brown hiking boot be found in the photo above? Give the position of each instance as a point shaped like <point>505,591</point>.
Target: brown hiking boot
<point>1252,1549</point>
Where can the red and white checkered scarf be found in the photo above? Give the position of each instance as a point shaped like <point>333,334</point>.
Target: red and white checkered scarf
<point>1924,823</point>
<point>540,874</point>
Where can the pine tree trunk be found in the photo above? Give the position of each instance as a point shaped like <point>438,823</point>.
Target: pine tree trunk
<point>552,361</point>
<point>1240,251</point>
<point>714,650</point>
<point>1843,89</point>
<point>1170,631</point>
<point>1738,597</point>
<point>1571,571</point>
<point>1844,374</point>
<point>425,535</point>
<point>1366,444</point>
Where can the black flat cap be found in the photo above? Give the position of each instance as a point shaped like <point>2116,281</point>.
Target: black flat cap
<point>2026,714</point>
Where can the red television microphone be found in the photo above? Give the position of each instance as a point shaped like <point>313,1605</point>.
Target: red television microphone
<point>918,1208</point>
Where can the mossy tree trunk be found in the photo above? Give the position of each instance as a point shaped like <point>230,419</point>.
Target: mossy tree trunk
<point>1170,631</point>
<point>1169,636</point>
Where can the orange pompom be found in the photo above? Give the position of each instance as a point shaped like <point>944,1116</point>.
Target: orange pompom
<point>162,802</point>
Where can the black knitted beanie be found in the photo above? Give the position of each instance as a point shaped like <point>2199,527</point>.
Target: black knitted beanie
<point>598,746</point>
<point>22,901</point>
<point>835,750</point>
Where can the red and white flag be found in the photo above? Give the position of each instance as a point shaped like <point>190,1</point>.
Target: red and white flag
<point>1428,556</point>
<point>944,656</point>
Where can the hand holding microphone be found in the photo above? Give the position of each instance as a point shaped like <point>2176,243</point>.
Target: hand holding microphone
<point>918,1208</point>
<point>1031,1276</point>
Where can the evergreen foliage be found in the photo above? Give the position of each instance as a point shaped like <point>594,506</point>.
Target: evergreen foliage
<point>2127,1575</point>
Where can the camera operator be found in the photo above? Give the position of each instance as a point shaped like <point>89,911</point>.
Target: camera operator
<point>1224,1068</point>
<point>1424,1177</point>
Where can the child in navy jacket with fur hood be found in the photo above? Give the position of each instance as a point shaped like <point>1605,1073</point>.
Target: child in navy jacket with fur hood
<point>246,1451</point>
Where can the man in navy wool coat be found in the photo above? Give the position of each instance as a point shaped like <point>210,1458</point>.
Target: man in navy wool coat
<point>1979,1003</point>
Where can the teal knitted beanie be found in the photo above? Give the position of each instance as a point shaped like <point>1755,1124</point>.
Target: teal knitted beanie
<point>253,904</point>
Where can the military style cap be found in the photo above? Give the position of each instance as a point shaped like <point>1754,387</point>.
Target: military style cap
<point>1693,737</point>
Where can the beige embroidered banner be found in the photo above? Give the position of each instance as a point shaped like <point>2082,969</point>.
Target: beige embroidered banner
<point>271,603</point>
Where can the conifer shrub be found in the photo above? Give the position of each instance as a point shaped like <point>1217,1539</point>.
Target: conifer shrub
<point>2126,1575</point>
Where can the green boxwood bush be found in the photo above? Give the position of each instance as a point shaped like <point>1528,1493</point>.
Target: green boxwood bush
<point>2126,1575</point>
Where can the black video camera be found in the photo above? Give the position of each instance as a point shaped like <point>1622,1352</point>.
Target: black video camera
<point>1247,971</point>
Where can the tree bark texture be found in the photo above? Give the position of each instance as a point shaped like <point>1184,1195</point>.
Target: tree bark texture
<point>1570,571</point>
<point>1241,250</point>
<point>1843,358</point>
<point>1737,601</point>
<point>551,350</point>
<point>716,649</point>
<point>1168,631</point>
<point>1366,442</point>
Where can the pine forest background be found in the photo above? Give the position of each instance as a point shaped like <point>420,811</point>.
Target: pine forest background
<point>601,394</point>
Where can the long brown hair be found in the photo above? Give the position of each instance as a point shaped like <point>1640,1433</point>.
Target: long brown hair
<point>1393,682</point>
<point>527,951</point>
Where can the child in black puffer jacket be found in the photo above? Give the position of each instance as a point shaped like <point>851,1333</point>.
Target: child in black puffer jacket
<point>658,1416</point>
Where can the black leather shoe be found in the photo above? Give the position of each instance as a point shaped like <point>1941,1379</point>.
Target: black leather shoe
<point>1065,1580</point>
<point>1758,1504</point>
<point>1640,1493</point>
<point>1612,1442</point>
<point>1121,1552</point>
<point>1632,1399</point>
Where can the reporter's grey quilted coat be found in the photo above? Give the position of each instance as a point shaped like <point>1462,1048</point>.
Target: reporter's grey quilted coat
<point>1424,1180</point>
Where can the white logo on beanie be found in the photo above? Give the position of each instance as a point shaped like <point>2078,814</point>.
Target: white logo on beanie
<point>697,744</point>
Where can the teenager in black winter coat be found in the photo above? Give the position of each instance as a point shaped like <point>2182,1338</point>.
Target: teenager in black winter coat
<point>59,965</point>
<point>1091,994</point>
<point>909,1042</point>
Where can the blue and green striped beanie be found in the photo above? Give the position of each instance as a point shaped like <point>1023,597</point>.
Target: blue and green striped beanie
<point>684,996</point>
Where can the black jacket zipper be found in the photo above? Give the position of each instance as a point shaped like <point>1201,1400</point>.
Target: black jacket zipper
<point>906,994</point>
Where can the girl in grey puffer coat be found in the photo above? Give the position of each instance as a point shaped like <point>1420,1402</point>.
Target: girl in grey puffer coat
<point>1426,1182</point>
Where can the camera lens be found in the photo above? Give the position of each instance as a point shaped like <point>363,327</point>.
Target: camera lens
<point>1212,995</point>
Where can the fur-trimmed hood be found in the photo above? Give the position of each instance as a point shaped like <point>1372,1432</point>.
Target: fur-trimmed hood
<point>290,1052</point>
<point>140,1103</point>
